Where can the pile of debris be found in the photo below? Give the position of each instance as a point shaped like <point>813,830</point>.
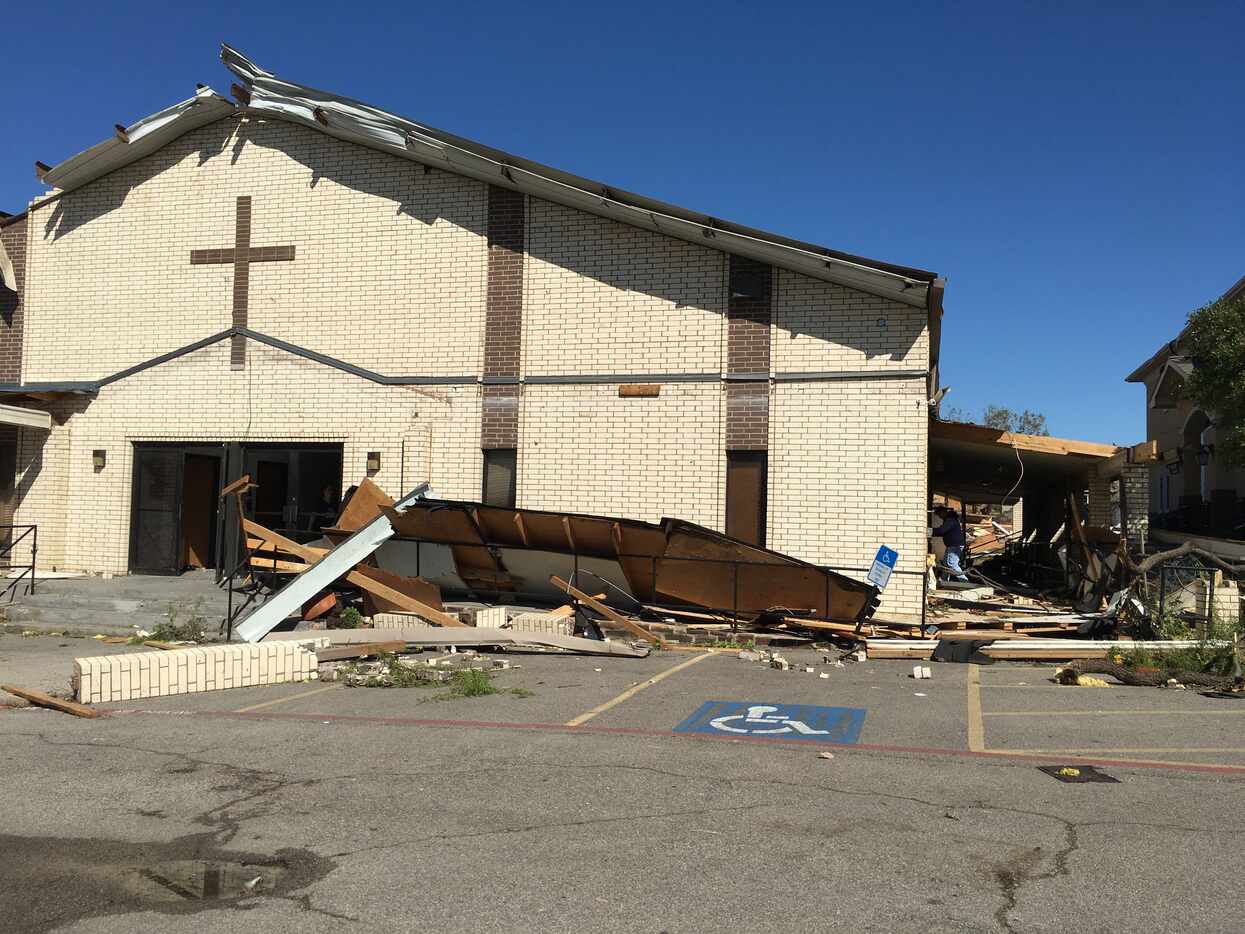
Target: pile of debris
<point>538,578</point>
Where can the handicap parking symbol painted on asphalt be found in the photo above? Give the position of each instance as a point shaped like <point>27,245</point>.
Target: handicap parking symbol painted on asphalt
<point>776,721</point>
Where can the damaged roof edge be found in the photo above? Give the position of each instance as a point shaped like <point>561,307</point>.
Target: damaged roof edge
<point>355,121</point>
<point>140,139</point>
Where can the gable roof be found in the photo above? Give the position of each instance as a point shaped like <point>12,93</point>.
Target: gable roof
<point>139,139</point>
<point>1173,346</point>
<point>341,117</point>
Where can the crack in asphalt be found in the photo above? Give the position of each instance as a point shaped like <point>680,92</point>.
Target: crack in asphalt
<point>225,820</point>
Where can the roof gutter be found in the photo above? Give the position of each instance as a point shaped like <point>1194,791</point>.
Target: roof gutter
<point>368,126</point>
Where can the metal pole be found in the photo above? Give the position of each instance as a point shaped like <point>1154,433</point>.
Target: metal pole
<point>1210,604</point>
<point>34,553</point>
<point>734,596</point>
<point>1162,589</point>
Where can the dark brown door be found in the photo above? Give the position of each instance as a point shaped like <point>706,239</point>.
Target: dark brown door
<point>200,486</point>
<point>745,495</point>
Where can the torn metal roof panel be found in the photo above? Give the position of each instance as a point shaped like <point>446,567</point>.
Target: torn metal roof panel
<point>139,139</point>
<point>361,123</point>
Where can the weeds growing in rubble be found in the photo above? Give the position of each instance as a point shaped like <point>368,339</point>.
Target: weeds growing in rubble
<point>193,630</point>
<point>471,683</point>
<point>349,618</point>
<point>1207,656</point>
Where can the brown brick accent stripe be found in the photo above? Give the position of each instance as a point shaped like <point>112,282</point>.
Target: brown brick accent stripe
<point>749,313</point>
<point>12,304</point>
<point>503,317</point>
<point>241,257</point>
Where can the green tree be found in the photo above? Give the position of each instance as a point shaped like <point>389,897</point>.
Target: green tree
<point>1215,340</point>
<point>1024,423</point>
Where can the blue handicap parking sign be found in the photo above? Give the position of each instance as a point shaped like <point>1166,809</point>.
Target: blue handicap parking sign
<point>883,563</point>
<point>776,721</point>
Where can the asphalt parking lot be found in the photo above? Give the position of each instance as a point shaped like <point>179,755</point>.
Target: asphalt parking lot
<point>609,800</point>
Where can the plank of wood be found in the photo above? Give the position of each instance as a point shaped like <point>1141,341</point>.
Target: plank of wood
<point>609,613</point>
<point>339,652</point>
<point>563,611</point>
<point>981,434</point>
<point>276,566</point>
<point>408,604</point>
<point>164,646</point>
<point>467,635</point>
<point>1093,569</point>
<point>982,635</point>
<point>39,699</point>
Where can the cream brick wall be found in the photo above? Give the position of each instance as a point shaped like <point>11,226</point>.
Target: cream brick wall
<point>847,473</point>
<point>604,297</point>
<point>823,327</point>
<point>279,397</point>
<point>584,449</point>
<point>389,270</point>
<point>389,274</point>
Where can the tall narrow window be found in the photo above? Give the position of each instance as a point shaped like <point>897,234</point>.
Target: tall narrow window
<point>746,477</point>
<point>499,476</point>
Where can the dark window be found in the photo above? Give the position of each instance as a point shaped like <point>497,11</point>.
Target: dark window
<point>746,477</point>
<point>499,476</point>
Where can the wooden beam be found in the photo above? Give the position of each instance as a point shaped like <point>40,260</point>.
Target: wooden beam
<point>570,538</point>
<point>608,612</point>
<point>409,604</point>
<point>277,566</point>
<point>338,652</point>
<point>241,485</point>
<point>39,699</point>
<point>1142,453</point>
<point>518,521</point>
<point>980,434</point>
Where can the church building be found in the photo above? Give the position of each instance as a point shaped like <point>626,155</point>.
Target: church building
<point>296,285</point>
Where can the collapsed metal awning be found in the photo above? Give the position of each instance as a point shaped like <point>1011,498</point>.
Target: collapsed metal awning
<point>979,464</point>
<point>25,418</point>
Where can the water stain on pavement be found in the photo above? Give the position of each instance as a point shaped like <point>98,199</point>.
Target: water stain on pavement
<point>47,882</point>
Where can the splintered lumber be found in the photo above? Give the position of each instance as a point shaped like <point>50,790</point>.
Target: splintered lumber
<point>963,604</point>
<point>612,615</point>
<point>466,635</point>
<point>981,635</point>
<point>376,582</point>
<point>163,646</point>
<point>39,699</point>
<point>339,652</point>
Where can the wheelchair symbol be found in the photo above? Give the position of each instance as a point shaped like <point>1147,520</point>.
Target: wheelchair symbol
<point>758,721</point>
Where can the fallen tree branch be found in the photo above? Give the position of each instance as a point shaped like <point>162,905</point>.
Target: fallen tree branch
<point>1148,679</point>
<point>1188,548</point>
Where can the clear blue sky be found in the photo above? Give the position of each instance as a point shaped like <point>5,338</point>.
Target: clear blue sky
<point>1078,175</point>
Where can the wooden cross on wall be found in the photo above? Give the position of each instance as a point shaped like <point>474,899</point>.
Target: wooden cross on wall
<point>241,256</point>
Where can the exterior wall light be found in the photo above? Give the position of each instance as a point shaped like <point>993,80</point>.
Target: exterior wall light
<point>99,457</point>
<point>373,461</point>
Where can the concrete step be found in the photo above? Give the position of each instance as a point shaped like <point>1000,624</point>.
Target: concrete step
<point>118,605</point>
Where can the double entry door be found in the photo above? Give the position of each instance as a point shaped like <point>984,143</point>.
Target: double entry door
<point>178,520</point>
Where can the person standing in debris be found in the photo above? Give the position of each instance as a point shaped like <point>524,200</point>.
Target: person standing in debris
<point>952,535</point>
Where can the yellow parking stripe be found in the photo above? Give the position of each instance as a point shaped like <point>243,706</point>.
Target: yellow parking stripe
<point>283,700</point>
<point>636,689</point>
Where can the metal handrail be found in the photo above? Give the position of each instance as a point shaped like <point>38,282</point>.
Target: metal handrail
<point>10,590</point>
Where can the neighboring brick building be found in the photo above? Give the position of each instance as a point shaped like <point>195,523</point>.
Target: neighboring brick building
<point>306,289</point>
<point>1190,488</point>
